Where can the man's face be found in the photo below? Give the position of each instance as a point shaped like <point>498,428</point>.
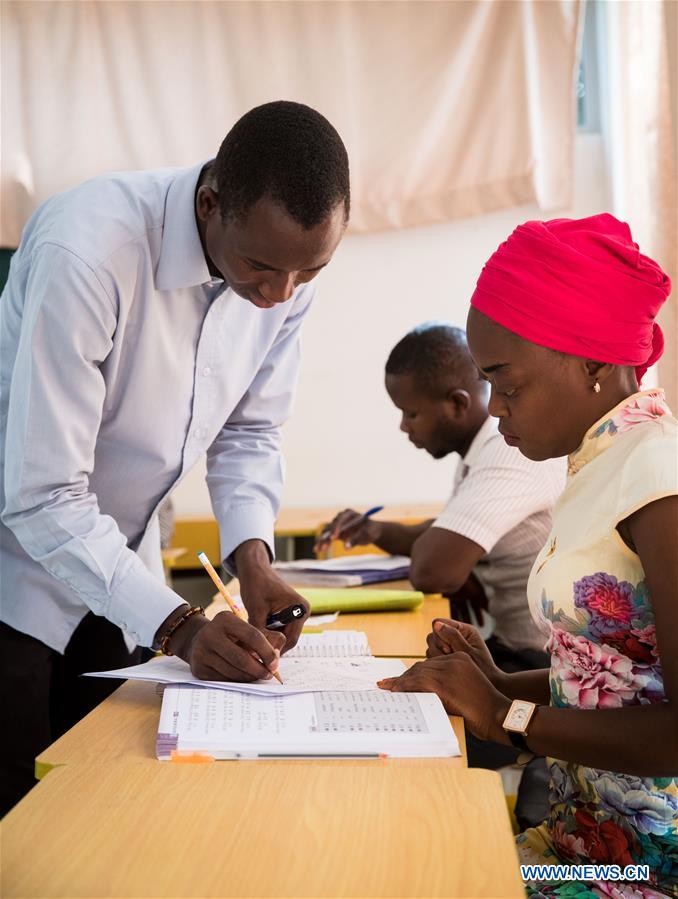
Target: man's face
<point>431,424</point>
<point>266,255</point>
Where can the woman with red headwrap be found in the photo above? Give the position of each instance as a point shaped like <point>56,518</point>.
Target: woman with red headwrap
<point>563,327</point>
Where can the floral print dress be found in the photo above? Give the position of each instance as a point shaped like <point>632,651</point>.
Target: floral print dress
<point>587,590</point>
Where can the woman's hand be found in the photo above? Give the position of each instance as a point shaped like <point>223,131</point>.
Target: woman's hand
<point>463,689</point>
<point>449,636</point>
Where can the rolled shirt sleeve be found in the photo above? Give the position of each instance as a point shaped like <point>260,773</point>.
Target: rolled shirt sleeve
<point>53,419</point>
<point>245,466</point>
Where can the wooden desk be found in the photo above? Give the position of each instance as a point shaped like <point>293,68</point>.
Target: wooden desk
<point>171,556</point>
<point>396,634</point>
<point>390,634</point>
<point>145,828</point>
<point>125,725</point>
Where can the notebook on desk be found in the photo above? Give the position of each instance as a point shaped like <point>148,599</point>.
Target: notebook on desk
<point>344,571</point>
<point>325,599</point>
<point>204,724</point>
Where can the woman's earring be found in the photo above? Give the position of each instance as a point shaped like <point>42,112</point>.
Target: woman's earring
<point>596,387</point>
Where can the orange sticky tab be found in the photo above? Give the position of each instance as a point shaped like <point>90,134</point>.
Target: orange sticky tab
<point>190,757</point>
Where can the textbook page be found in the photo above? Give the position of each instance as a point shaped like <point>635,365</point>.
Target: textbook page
<point>234,725</point>
<point>330,645</point>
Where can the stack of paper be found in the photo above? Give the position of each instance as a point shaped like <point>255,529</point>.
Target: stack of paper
<point>228,725</point>
<point>345,571</point>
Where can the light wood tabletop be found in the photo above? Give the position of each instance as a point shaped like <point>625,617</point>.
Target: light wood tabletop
<point>141,828</point>
<point>125,725</point>
<point>396,634</point>
<point>109,820</point>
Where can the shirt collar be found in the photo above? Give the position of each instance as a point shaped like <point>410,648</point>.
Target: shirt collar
<point>486,430</point>
<point>632,411</point>
<point>182,260</point>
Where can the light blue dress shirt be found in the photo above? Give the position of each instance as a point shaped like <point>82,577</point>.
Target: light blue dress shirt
<point>121,362</point>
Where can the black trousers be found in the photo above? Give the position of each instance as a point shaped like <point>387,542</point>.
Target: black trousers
<point>42,695</point>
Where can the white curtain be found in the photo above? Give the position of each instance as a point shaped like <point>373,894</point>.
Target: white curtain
<point>640,128</point>
<point>448,109</point>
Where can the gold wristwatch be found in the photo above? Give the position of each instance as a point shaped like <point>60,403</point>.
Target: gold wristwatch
<point>518,720</point>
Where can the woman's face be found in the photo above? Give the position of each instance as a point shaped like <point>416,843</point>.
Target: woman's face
<point>544,401</point>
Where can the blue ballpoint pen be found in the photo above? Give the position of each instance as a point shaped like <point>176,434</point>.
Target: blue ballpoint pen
<point>351,524</point>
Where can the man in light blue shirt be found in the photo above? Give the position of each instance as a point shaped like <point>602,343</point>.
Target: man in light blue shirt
<point>150,317</point>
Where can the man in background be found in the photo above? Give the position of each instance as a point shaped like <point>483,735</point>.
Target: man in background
<point>498,515</point>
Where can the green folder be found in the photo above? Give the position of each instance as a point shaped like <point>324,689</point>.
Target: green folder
<point>359,599</point>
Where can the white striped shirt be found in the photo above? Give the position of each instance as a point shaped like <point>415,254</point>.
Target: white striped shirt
<point>503,501</point>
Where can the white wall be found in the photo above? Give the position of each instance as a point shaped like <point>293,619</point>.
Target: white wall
<point>343,445</point>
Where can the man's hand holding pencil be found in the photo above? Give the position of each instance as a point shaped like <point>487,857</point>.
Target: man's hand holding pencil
<point>226,648</point>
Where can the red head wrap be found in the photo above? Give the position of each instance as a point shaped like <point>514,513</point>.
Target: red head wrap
<point>580,286</point>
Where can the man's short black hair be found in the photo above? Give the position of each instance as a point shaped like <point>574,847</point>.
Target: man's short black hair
<point>437,356</point>
<point>288,152</point>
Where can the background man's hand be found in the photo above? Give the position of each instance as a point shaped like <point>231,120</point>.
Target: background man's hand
<point>364,530</point>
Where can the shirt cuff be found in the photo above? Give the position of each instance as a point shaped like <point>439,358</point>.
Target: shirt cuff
<point>140,603</point>
<point>245,521</point>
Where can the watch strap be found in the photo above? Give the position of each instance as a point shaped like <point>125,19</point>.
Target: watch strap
<point>518,740</point>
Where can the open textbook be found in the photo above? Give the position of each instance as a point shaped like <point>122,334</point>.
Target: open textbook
<point>331,660</point>
<point>227,725</point>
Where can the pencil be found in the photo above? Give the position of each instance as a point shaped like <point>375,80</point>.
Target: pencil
<point>221,587</point>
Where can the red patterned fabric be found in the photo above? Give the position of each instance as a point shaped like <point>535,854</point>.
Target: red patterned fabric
<point>580,286</point>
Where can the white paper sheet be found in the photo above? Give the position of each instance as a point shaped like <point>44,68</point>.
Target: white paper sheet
<point>299,675</point>
<point>330,645</point>
<point>320,620</point>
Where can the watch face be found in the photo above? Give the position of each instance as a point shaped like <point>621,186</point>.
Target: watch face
<point>519,715</point>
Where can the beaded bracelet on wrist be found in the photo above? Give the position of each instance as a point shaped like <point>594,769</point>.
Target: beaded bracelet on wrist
<point>189,613</point>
